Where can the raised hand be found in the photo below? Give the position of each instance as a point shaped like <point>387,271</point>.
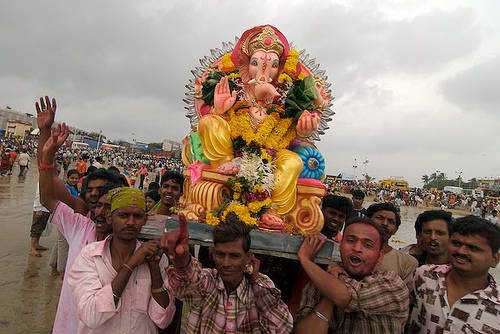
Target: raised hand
<point>311,246</point>
<point>176,243</point>
<point>253,264</point>
<point>223,98</point>
<point>57,137</point>
<point>307,123</point>
<point>45,112</point>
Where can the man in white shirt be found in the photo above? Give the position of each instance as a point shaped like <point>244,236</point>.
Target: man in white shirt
<point>23,160</point>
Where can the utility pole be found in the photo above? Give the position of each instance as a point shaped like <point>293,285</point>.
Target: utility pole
<point>99,139</point>
<point>459,178</point>
<point>354,168</point>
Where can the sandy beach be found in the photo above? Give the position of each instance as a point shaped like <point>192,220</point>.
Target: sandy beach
<point>28,295</point>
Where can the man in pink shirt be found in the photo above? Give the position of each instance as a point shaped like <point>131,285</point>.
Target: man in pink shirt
<point>101,274</point>
<point>77,228</point>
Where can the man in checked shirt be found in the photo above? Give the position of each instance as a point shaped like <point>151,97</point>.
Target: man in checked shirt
<point>232,298</point>
<point>352,297</point>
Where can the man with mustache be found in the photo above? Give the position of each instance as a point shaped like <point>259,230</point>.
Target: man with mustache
<point>117,283</point>
<point>232,298</point>
<point>352,297</point>
<point>460,297</point>
<point>386,216</point>
<point>70,216</point>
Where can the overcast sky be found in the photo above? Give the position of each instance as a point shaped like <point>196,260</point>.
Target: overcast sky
<point>417,83</point>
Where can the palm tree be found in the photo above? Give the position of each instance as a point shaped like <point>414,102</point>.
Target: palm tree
<point>368,178</point>
<point>426,179</point>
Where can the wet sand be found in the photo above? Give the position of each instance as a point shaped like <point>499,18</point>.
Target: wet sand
<point>28,296</point>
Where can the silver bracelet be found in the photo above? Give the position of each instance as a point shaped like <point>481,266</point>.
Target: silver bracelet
<point>321,316</point>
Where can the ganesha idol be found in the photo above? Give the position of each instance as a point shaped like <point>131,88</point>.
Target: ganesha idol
<point>255,110</point>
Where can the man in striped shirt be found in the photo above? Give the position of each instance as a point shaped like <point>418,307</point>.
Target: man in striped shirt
<point>351,297</point>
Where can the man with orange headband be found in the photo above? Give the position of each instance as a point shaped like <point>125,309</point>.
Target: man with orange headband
<point>101,274</point>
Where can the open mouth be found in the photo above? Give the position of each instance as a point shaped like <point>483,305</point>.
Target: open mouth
<point>355,260</point>
<point>433,245</point>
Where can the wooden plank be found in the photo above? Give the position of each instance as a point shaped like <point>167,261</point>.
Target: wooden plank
<point>274,244</point>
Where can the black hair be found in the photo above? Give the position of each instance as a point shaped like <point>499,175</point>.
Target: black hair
<point>367,221</point>
<point>99,174</point>
<point>107,187</point>
<point>114,169</point>
<point>372,209</point>
<point>429,215</point>
<point>337,202</point>
<point>472,225</point>
<point>226,232</point>
<point>71,172</point>
<point>358,193</point>
<point>154,186</point>
<point>153,194</point>
<point>178,178</point>
<point>91,169</point>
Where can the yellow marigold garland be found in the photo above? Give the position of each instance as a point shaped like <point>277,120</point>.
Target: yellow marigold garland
<point>211,219</point>
<point>226,64</point>
<point>256,206</point>
<point>242,212</point>
<point>283,77</point>
<point>271,132</point>
<point>291,62</point>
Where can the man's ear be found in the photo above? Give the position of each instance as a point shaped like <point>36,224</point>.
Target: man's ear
<point>380,256</point>
<point>496,258</point>
<point>109,217</point>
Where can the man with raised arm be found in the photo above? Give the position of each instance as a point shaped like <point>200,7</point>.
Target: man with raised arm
<point>232,298</point>
<point>351,297</point>
<point>117,283</point>
<point>79,230</point>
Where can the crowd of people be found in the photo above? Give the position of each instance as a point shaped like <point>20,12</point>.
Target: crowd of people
<point>115,283</point>
<point>479,206</point>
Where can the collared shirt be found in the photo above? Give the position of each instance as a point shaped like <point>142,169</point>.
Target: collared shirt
<point>379,304</point>
<point>137,311</point>
<point>401,263</point>
<point>476,312</point>
<point>79,231</point>
<point>258,306</point>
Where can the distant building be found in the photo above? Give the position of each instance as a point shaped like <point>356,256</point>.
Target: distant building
<point>15,124</point>
<point>17,129</point>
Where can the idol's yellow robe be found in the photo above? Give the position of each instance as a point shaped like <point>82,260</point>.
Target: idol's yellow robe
<point>215,137</point>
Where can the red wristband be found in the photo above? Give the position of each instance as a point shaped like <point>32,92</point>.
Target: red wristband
<point>42,166</point>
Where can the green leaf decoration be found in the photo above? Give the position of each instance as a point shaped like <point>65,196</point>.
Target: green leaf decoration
<point>300,97</point>
<point>208,88</point>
